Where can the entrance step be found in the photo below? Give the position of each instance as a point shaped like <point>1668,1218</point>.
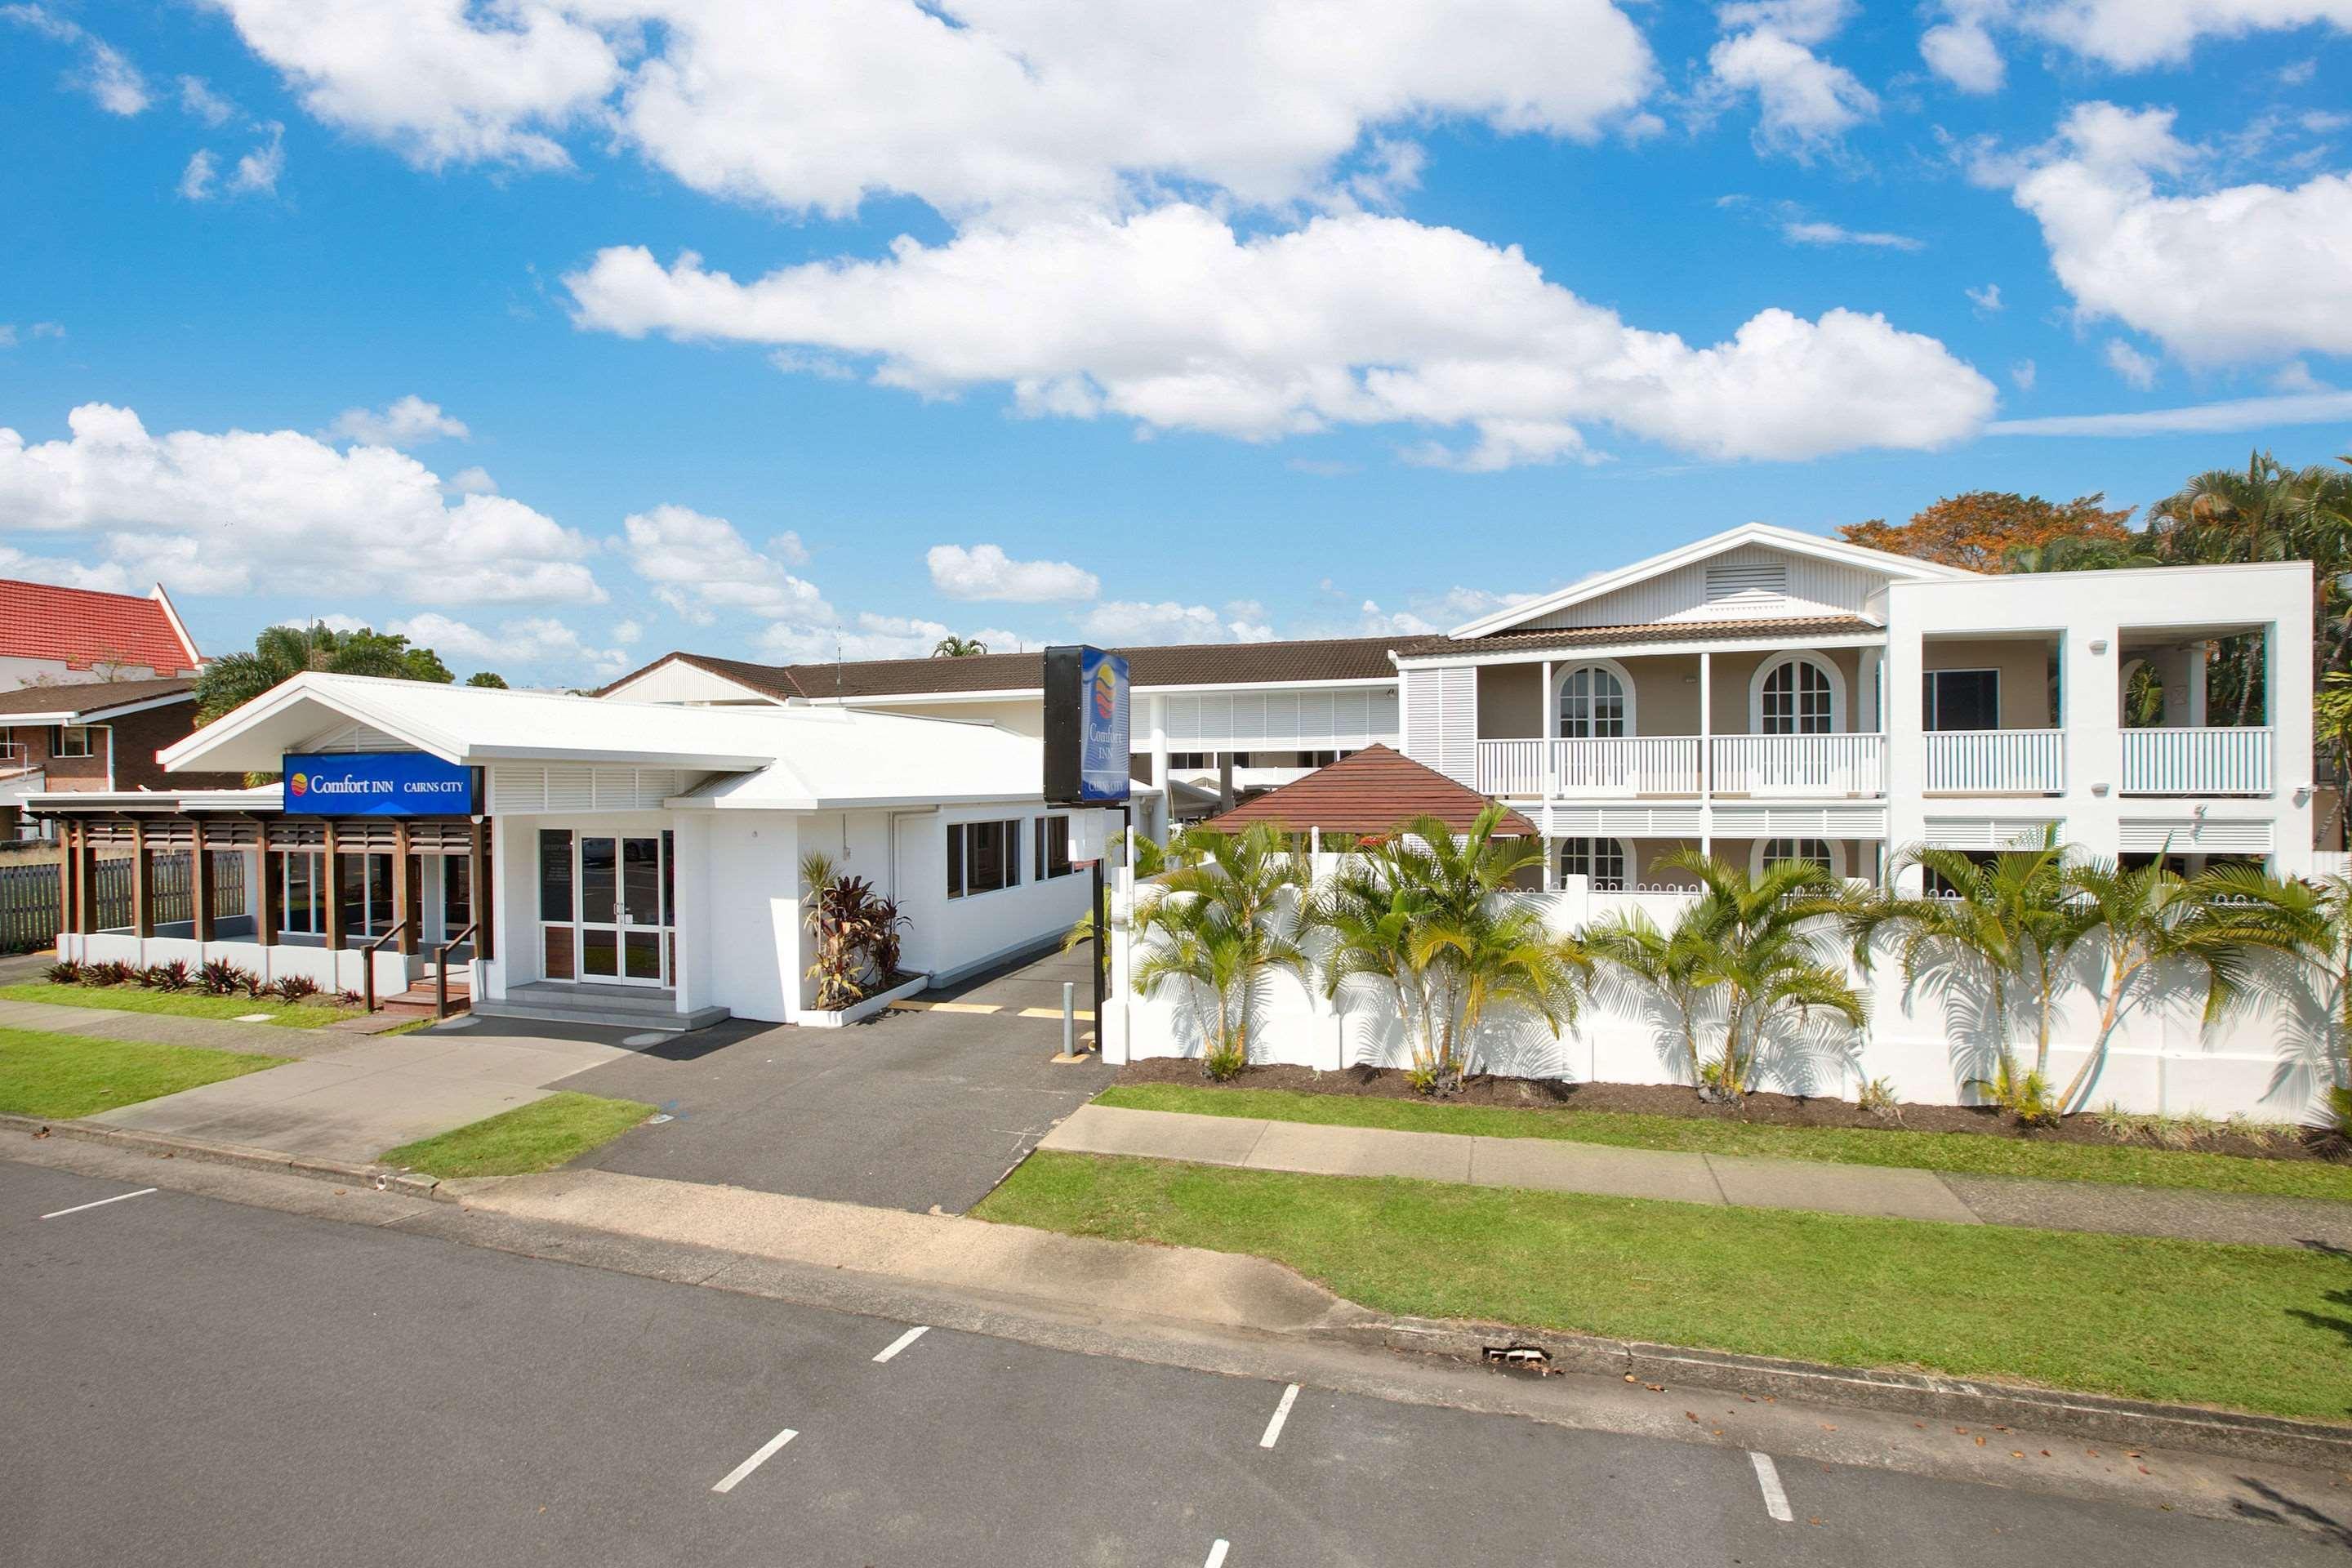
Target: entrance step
<point>613,1006</point>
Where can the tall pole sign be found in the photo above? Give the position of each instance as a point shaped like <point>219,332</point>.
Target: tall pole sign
<point>1087,761</point>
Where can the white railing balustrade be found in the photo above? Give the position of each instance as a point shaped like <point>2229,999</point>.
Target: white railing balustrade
<point>1510,767</point>
<point>2230,761</point>
<point>1995,762</point>
<point>1800,765</point>
<point>1662,764</point>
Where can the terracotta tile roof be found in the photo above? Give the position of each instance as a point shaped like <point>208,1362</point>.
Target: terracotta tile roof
<point>1184,664</point>
<point>82,628</point>
<point>89,695</point>
<point>1652,631</point>
<point>1372,790</point>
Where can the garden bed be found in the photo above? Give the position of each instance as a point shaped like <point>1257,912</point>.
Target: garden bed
<point>1648,1115</point>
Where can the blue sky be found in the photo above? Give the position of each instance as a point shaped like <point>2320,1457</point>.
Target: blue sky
<point>560,335</point>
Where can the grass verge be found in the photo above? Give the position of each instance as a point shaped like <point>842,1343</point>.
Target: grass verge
<point>2248,1328</point>
<point>66,1076</point>
<point>535,1137</point>
<point>184,1003</point>
<point>1967,1154</point>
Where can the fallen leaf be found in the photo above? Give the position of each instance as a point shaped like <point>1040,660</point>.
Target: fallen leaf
<point>1980,1442</point>
<point>1690,1415</point>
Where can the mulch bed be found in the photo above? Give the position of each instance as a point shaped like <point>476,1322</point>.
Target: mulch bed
<point>1762,1110</point>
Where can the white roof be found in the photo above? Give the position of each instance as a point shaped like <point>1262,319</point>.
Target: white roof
<point>785,758</point>
<point>1906,567</point>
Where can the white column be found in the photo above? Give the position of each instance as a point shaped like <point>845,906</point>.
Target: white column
<point>1548,726</point>
<point>1706,753</point>
<point>2199,654</point>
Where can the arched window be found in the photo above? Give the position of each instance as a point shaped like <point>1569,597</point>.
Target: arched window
<point>1800,695</point>
<point>1771,852</point>
<point>1605,861</point>
<point>1594,704</point>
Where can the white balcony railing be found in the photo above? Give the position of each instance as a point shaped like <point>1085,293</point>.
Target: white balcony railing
<point>1637,765</point>
<point>2232,760</point>
<point>1510,767</point>
<point>1995,762</point>
<point>1800,764</point>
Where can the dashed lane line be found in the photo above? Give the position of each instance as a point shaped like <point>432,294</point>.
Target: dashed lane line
<point>760,1456</point>
<point>101,1203</point>
<point>1768,1476</point>
<point>1281,1414</point>
<point>903,1340</point>
<point>1217,1554</point>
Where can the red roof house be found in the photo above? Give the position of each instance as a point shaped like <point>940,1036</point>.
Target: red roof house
<point>1372,790</point>
<point>78,633</point>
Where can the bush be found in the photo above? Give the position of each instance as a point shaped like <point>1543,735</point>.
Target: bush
<point>257,988</point>
<point>113,971</point>
<point>222,978</point>
<point>1220,1064</point>
<point>63,972</point>
<point>1877,1097</point>
<point>171,976</point>
<point>296,987</point>
<point>349,999</point>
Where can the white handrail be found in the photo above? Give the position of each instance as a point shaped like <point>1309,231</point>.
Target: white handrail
<point>2203,760</point>
<point>1656,764</point>
<point>1510,767</point>
<point>1841,764</point>
<point>1995,762</point>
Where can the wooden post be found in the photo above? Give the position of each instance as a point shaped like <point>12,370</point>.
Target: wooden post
<point>200,890</point>
<point>477,888</point>
<point>85,911</point>
<point>142,883</point>
<point>334,893</point>
<point>404,907</point>
<point>269,902</point>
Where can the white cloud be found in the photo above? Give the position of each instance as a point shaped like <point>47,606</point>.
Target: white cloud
<point>985,572</point>
<point>106,577</point>
<point>701,566</point>
<point>256,173</point>
<point>198,179</point>
<point>1805,105</point>
<point>1963,54</point>
<point>2295,376</point>
<point>965,104</point>
<point>200,101</point>
<point>1378,622</point>
<point>229,512</point>
<point>408,421</point>
<point>2123,34</point>
<point>10,334</point>
<point>2137,369</point>
<point>872,636</point>
<point>1986,300</point>
<point>2202,419</point>
<point>1171,319</point>
<point>1812,231</point>
<point>473,482</point>
<point>2246,273</point>
<point>110,80</point>
<point>533,640</point>
<point>1138,624</point>
<point>2022,374</point>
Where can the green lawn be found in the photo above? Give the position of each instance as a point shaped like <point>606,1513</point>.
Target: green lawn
<point>535,1137</point>
<point>308,1015</point>
<point>2249,1328</point>
<point>65,1075</point>
<point>1970,1153</point>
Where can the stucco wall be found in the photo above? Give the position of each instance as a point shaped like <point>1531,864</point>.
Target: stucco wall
<point>2024,666</point>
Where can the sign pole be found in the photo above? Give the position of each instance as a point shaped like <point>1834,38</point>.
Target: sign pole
<point>1102,955</point>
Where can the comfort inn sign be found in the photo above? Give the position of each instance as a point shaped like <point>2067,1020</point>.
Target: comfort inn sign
<point>377,784</point>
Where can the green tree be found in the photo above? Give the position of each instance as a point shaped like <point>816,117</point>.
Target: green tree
<point>1676,965</point>
<point>281,653</point>
<point>490,677</point>
<point>1770,944</point>
<point>953,646</point>
<point>2135,920</point>
<point>1223,927</point>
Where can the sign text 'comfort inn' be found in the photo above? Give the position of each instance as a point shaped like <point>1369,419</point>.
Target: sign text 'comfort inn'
<point>377,784</point>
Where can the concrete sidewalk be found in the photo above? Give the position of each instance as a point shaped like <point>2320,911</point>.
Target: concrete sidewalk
<point>1740,1181</point>
<point>167,1029</point>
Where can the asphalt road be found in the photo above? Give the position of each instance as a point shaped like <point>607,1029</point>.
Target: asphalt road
<point>196,1382</point>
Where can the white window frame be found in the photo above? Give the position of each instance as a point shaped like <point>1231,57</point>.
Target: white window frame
<point>1624,849</point>
<point>89,734</point>
<point>1614,671</point>
<point>1764,672</point>
<point>1836,847</point>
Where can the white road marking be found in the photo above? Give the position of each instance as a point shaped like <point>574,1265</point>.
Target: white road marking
<point>1217,1554</point>
<point>1775,1501</point>
<point>99,1205</point>
<point>1281,1414</point>
<point>756,1460</point>
<point>903,1340</point>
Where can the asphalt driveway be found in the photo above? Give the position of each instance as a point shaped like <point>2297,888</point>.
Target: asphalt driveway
<point>910,1111</point>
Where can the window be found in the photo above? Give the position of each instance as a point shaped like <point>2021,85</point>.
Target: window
<point>1592,704</point>
<point>366,887</point>
<point>303,893</point>
<point>1191,759</point>
<point>1961,699</point>
<point>1604,860</point>
<point>1796,697</point>
<point>73,740</point>
<point>1314,759</point>
<point>555,876</point>
<point>983,857</point>
<point>1778,851</point>
<point>1052,851</point>
<point>456,894</point>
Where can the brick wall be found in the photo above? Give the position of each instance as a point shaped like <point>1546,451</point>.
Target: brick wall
<point>137,738</point>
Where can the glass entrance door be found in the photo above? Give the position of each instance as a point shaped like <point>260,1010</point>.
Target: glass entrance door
<point>622,934</point>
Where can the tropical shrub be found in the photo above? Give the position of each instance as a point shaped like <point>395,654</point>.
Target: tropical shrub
<point>2134,919</point>
<point>113,971</point>
<point>170,976</point>
<point>296,988</point>
<point>856,931</point>
<point>222,978</point>
<point>1224,927</point>
<point>348,998</point>
<point>257,988</point>
<point>63,972</point>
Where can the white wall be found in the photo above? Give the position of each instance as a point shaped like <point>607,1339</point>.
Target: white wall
<point>950,936</point>
<point>2262,1059</point>
<point>752,935</point>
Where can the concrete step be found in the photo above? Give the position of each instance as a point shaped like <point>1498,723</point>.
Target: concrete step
<point>666,1022</point>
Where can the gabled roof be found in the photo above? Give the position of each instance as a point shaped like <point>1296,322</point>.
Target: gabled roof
<point>1375,790</point>
<point>1905,567</point>
<point>81,628</point>
<point>79,701</point>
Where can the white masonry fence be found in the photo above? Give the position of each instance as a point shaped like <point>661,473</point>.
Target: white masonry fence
<point>2266,1059</point>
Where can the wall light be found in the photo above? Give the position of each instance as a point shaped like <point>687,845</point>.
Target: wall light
<point>2098,645</point>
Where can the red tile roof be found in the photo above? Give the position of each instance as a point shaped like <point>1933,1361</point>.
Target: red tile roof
<point>83,628</point>
<point>1372,790</point>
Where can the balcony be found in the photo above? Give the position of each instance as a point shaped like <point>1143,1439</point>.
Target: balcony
<point>1671,765</point>
<point>2232,760</point>
<point>1995,761</point>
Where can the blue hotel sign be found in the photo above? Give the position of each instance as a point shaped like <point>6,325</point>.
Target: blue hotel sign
<point>376,783</point>
<point>1085,727</point>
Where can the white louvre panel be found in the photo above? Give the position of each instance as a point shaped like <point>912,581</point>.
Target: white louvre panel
<point>1801,822</point>
<point>516,790</point>
<point>1627,821</point>
<point>1763,583</point>
<point>1281,720</point>
<point>1748,582</point>
<point>2185,836</point>
<point>1987,832</point>
<point>360,738</point>
<point>1441,720</point>
<point>581,787</point>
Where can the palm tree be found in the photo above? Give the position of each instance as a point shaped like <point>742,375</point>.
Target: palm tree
<point>2009,919</point>
<point>954,646</point>
<point>1431,916</point>
<point>281,653</point>
<point>1769,941</point>
<point>2137,918</point>
<point>1672,963</point>
<point>1225,927</point>
<point>2245,909</point>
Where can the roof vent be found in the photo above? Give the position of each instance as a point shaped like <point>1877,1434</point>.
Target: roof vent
<point>1746,582</point>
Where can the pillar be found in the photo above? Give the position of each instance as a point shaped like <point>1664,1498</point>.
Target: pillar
<point>405,912</point>
<point>1706,753</point>
<point>200,887</point>
<point>142,884</point>
<point>269,899</point>
<point>334,893</point>
<point>478,885</point>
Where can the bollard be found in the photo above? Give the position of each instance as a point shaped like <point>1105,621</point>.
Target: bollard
<point>1069,1019</point>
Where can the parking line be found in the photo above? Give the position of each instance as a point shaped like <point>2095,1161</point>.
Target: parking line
<point>101,1202</point>
<point>903,1340</point>
<point>1082,1014</point>
<point>756,1460</point>
<point>1281,1414</point>
<point>1217,1554</point>
<point>1775,1501</point>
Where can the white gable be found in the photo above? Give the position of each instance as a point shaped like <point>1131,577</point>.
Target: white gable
<point>678,680</point>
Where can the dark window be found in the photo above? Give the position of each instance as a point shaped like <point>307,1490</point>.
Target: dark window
<point>986,872</point>
<point>555,875</point>
<point>670,877</point>
<point>72,740</point>
<point>1961,699</point>
<point>1053,853</point>
<point>456,894</point>
<point>983,857</point>
<point>1798,699</point>
<point>600,880</point>
<point>955,861</point>
<point>1600,859</point>
<point>641,882</point>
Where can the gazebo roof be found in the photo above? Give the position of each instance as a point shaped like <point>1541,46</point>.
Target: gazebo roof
<point>1375,790</point>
